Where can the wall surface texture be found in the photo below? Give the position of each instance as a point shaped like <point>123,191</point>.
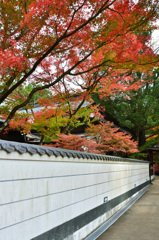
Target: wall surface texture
<point>48,194</point>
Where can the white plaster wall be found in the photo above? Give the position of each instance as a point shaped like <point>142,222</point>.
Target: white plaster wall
<point>40,193</point>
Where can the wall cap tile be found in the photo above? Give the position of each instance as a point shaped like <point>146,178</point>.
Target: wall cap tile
<point>32,149</point>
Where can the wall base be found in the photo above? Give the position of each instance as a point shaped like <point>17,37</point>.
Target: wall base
<point>81,226</point>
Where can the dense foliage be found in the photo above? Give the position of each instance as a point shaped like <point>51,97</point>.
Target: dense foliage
<point>137,110</point>
<point>71,47</point>
<point>71,44</point>
<point>102,138</point>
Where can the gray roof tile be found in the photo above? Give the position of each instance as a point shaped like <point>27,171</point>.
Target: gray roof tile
<point>22,148</point>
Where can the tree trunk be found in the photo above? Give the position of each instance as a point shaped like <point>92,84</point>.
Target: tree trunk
<point>42,139</point>
<point>142,138</point>
<point>139,136</point>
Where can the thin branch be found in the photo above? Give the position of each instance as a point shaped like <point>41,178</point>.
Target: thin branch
<point>73,16</point>
<point>90,69</point>
<point>117,12</point>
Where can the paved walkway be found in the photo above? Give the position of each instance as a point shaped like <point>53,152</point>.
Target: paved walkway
<point>141,221</point>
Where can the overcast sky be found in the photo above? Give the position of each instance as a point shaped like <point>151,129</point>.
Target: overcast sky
<point>155,39</point>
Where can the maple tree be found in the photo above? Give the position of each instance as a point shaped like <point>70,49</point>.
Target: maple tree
<point>50,118</point>
<point>102,139</point>
<point>110,139</point>
<point>72,43</point>
<point>75,142</point>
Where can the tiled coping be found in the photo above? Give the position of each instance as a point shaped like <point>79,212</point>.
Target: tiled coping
<point>21,148</point>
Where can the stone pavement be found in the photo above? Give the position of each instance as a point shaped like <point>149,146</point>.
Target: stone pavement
<point>141,221</point>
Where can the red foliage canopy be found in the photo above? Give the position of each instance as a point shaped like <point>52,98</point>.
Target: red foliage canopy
<point>69,43</point>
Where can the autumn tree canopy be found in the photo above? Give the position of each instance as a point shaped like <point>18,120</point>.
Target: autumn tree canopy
<point>103,138</point>
<point>70,44</point>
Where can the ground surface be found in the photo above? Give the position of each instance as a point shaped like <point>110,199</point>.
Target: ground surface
<point>141,221</point>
